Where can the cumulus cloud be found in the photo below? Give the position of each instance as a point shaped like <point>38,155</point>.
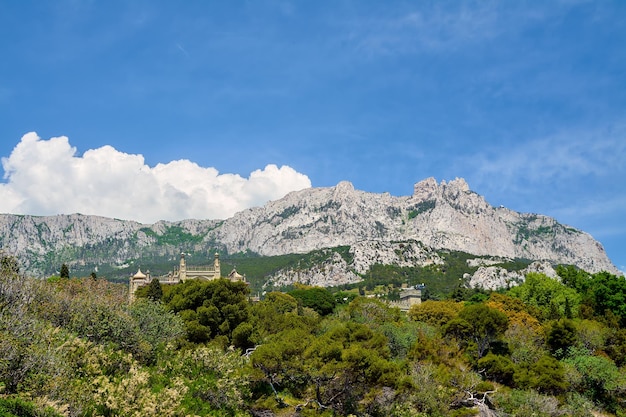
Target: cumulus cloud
<point>44,177</point>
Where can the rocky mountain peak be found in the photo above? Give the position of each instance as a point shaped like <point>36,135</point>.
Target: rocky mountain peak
<point>446,216</point>
<point>425,189</point>
<point>343,190</point>
<point>456,185</point>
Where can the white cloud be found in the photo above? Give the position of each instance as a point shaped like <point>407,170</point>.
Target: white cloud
<point>44,177</point>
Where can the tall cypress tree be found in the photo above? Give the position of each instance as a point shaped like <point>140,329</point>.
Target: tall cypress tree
<point>65,271</point>
<point>155,292</point>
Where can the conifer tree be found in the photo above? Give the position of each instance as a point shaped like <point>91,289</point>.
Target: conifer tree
<point>155,292</point>
<point>65,271</point>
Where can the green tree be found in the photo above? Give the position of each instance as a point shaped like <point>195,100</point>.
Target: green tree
<point>346,363</point>
<point>65,271</point>
<point>548,295</point>
<point>209,308</point>
<point>574,278</point>
<point>547,376</point>
<point>479,323</point>
<point>217,381</point>
<point>317,298</point>
<point>243,336</point>
<point>155,292</point>
<point>156,325</point>
<point>436,313</point>
<point>609,294</point>
<point>280,361</point>
<point>497,368</point>
<point>601,380</point>
<point>560,336</point>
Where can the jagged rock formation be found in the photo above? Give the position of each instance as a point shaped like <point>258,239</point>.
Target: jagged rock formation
<point>495,277</point>
<point>379,228</point>
<point>42,243</point>
<point>335,270</point>
<point>441,216</point>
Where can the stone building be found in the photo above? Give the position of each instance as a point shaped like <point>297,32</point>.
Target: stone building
<point>182,273</point>
<point>409,296</point>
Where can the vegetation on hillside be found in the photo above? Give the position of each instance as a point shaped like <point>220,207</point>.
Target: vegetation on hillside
<point>76,347</point>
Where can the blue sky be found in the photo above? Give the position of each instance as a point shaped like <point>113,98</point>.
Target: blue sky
<point>526,100</point>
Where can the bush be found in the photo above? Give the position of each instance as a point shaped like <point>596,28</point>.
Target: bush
<point>435,313</point>
<point>560,336</point>
<point>547,376</point>
<point>319,299</point>
<point>526,404</point>
<point>16,407</point>
<point>497,368</point>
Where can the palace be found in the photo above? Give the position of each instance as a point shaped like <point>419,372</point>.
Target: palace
<point>181,274</point>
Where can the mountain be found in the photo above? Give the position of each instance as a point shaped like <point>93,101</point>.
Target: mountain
<point>377,228</point>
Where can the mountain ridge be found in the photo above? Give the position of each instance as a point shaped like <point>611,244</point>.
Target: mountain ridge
<point>445,215</point>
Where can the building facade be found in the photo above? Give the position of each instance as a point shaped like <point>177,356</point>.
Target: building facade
<point>181,273</point>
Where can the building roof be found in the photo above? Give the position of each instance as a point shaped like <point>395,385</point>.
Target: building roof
<point>139,275</point>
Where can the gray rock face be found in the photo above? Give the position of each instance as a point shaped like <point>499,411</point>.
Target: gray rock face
<point>335,270</point>
<point>494,277</point>
<point>379,228</point>
<point>441,216</point>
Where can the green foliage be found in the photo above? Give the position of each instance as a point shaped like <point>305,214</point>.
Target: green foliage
<point>421,207</point>
<point>16,407</point>
<point>527,230</point>
<point>547,376</point>
<point>574,277</point>
<point>372,311</point>
<point>528,403</point>
<point>547,294</point>
<point>602,292</point>
<point>65,271</point>
<point>479,323</point>
<point>435,313</point>
<point>592,335</point>
<point>497,368</point>
<point>526,344</point>
<point>616,346</point>
<point>243,336</point>
<point>440,280</point>
<point>277,313</point>
<point>209,308</point>
<point>174,236</point>
<point>257,268</point>
<point>9,265</point>
<point>78,346</point>
<point>609,294</point>
<point>217,380</point>
<point>560,336</point>
<point>317,298</point>
<point>154,291</point>
<point>279,360</point>
<point>600,379</point>
<point>156,324</point>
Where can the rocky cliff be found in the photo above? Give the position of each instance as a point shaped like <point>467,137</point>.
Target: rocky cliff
<point>446,215</point>
<point>441,216</point>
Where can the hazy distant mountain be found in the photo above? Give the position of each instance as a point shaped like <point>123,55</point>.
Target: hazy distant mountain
<point>378,228</point>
